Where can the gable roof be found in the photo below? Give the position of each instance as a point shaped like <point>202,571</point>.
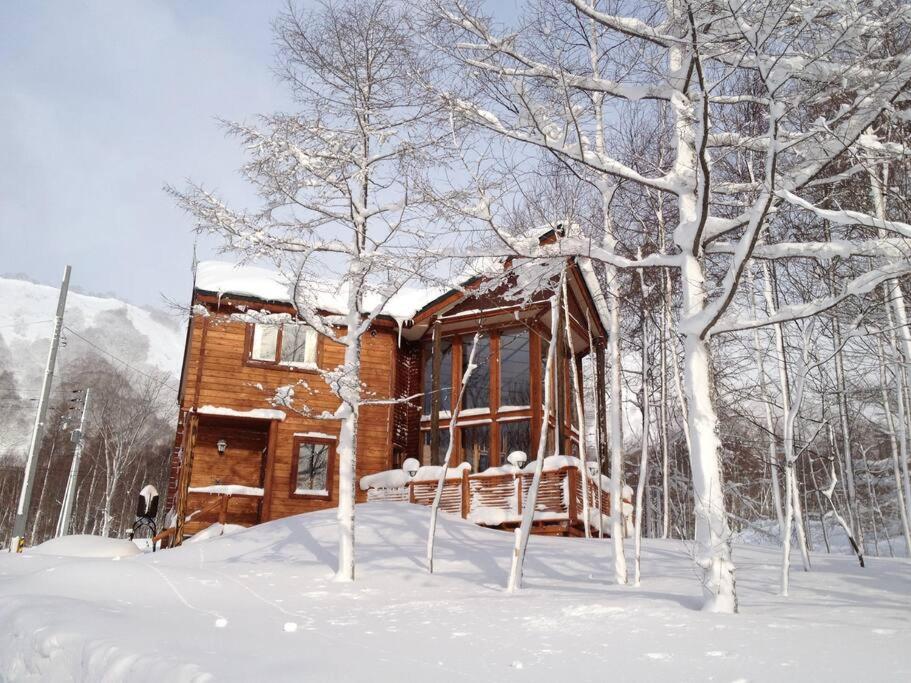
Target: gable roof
<point>409,304</point>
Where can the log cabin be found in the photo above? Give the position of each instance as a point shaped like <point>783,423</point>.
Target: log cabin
<point>242,458</point>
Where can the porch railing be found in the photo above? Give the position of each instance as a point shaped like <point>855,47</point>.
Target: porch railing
<point>498,500</point>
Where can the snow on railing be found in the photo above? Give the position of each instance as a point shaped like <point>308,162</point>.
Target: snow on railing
<point>495,496</point>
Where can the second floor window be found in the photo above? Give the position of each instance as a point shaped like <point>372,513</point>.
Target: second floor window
<point>291,344</point>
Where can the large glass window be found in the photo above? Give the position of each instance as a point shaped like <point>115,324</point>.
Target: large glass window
<point>477,393</point>
<point>265,343</point>
<point>515,436</point>
<point>311,472</point>
<point>476,446</point>
<point>289,344</point>
<point>514,376</point>
<point>444,444</point>
<point>298,345</point>
<point>445,375</point>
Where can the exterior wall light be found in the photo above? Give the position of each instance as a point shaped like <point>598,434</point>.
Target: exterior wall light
<point>222,446</point>
<point>411,466</point>
<point>517,459</point>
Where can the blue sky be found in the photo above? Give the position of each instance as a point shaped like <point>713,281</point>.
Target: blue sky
<point>102,102</point>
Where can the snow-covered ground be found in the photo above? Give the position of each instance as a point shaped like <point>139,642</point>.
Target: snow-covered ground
<point>261,604</point>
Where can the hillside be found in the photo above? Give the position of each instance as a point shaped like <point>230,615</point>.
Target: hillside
<point>261,604</point>
<point>146,339</point>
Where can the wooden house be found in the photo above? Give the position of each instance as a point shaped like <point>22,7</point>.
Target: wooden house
<point>241,459</point>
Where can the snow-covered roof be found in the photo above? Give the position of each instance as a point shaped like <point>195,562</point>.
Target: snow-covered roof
<point>223,278</point>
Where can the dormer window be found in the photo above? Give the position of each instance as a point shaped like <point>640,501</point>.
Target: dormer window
<point>292,344</point>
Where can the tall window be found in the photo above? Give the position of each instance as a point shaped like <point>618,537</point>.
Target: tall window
<point>311,468</point>
<point>445,375</point>
<point>298,345</point>
<point>514,376</point>
<point>291,344</point>
<point>515,436</point>
<point>265,343</point>
<point>477,393</point>
<point>476,446</point>
<point>444,444</point>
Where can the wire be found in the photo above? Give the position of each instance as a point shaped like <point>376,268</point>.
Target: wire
<point>95,346</point>
<point>22,324</point>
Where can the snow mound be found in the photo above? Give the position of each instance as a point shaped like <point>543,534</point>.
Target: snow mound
<point>85,545</point>
<point>215,531</point>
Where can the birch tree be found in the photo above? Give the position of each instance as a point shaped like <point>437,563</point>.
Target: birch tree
<point>345,190</point>
<point>807,70</point>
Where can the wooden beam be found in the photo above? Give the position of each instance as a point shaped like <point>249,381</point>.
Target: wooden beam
<point>494,397</point>
<point>535,374</point>
<point>200,362</point>
<point>269,472</point>
<point>186,471</point>
<point>559,376</point>
<point>436,368</point>
<point>455,383</point>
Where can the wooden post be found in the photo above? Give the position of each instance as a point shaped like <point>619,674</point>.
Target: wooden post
<point>268,472</point>
<point>572,473</point>
<point>534,374</point>
<point>466,495</point>
<point>436,367</point>
<point>186,470</point>
<point>223,510</point>
<point>519,493</point>
<point>560,386</point>
<point>494,398</point>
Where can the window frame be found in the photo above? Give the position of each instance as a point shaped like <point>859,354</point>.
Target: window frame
<point>296,443</point>
<point>256,362</point>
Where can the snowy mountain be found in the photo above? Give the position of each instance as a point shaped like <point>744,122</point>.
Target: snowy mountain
<point>145,339</point>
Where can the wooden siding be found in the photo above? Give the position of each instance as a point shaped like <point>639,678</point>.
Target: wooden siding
<point>218,374</point>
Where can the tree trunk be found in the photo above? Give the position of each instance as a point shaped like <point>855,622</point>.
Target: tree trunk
<point>528,511</point>
<point>643,457</point>
<point>453,423</point>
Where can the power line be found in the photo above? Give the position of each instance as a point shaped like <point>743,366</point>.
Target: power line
<point>95,346</point>
<point>28,322</point>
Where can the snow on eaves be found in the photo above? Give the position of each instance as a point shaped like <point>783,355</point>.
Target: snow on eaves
<point>255,413</point>
<point>222,278</point>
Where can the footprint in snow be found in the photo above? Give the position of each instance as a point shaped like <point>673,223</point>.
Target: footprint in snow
<point>716,653</point>
<point>657,656</point>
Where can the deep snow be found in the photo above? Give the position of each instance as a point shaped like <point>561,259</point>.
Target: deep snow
<point>261,604</point>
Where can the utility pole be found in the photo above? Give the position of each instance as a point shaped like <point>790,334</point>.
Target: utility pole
<point>31,462</point>
<point>63,523</point>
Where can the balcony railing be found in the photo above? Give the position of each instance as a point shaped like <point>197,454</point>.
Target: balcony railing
<point>497,498</point>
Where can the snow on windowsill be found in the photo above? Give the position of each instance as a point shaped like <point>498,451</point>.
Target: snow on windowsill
<point>311,492</point>
<point>255,413</point>
<point>316,435</point>
<point>227,490</point>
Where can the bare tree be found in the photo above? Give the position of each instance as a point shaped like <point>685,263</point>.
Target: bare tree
<point>701,61</point>
<point>346,189</point>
